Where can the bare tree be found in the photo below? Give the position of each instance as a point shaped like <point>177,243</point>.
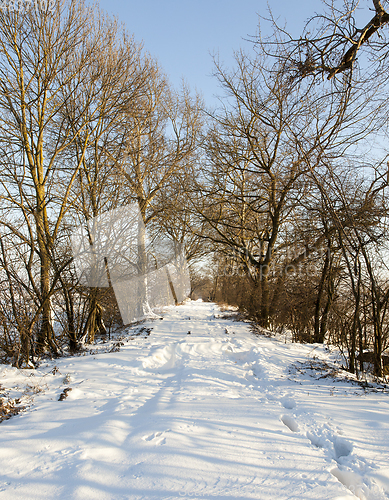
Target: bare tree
<point>262,147</point>
<point>332,42</point>
<point>157,141</point>
<point>124,73</point>
<point>58,88</point>
<point>355,208</point>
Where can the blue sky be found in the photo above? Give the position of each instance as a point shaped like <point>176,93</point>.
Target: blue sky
<point>182,34</point>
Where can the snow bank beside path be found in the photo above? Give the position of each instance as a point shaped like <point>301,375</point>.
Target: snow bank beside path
<point>197,408</point>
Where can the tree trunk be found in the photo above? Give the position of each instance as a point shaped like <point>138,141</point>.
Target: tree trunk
<point>94,323</point>
<point>24,358</point>
<point>45,338</point>
<point>357,294</point>
<point>318,337</point>
<point>265,297</point>
<point>71,328</point>
<point>142,302</point>
<point>377,337</point>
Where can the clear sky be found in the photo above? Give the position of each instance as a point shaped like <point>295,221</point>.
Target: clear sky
<point>182,34</point>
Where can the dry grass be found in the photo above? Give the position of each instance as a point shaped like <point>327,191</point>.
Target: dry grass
<point>9,408</point>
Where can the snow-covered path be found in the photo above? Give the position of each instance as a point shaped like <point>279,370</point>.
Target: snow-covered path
<point>198,408</point>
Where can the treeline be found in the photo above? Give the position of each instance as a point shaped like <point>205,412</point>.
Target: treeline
<point>88,123</point>
<point>295,181</point>
<point>284,186</point>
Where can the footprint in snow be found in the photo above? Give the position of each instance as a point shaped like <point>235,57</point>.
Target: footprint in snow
<point>156,438</point>
<point>290,422</point>
<point>336,445</point>
<point>342,447</point>
<point>257,371</point>
<point>288,403</point>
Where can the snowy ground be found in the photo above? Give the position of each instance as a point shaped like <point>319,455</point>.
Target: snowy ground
<point>214,413</point>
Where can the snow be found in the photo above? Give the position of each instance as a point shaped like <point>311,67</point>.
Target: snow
<point>194,406</point>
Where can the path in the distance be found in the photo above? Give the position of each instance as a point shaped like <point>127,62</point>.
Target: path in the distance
<point>200,408</point>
